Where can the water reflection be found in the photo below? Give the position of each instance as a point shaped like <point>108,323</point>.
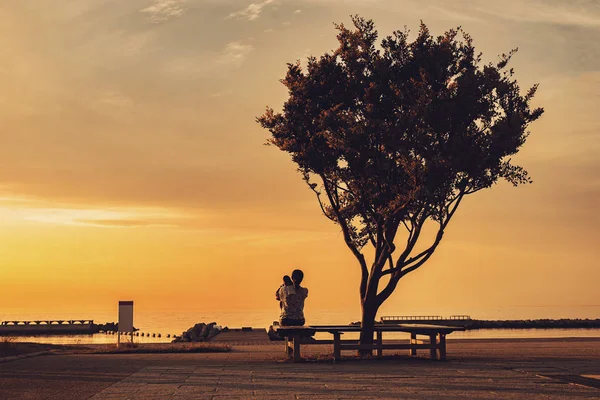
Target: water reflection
<point>475,334</point>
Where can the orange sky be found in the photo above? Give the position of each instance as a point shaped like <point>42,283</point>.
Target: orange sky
<point>132,166</point>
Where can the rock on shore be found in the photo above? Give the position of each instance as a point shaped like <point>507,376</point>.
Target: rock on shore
<point>200,332</point>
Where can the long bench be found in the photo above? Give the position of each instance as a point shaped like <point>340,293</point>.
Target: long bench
<point>435,339</point>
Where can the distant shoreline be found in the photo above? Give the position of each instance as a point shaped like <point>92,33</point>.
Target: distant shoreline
<point>534,324</point>
<point>477,324</point>
<point>468,324</point>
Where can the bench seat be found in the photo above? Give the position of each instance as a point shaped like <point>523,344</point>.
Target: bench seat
<point>303,335</point>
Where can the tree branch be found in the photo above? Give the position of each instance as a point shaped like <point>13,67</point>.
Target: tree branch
<point>451,213</point>
<point>347,238</point>
<point>413,237</point>
<point>423,260</point>
<point>422,257</point>
<point>406,226</point>
<point>320,201</point>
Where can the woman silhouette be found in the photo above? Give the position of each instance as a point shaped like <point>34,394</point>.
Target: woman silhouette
<point>292,312</point>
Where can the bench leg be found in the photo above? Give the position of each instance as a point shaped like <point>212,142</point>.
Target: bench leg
<point>297,355</point>
<point>337,351</point>
<point>379,344</point>
<point>433,346</point>
<point>442,346</point>
<point>288,348</point>
<point>413,340</point>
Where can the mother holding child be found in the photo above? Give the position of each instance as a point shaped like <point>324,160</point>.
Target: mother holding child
<point>291,298</point>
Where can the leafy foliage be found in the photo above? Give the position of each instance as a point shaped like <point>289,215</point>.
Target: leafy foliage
<point>394,134</point>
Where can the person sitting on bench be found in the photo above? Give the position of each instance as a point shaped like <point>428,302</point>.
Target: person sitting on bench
<point>292,312</point>
<point>287,287</point>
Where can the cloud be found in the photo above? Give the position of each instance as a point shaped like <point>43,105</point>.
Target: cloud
<point>115,99</point>
<point>569,14</point>
<point>110,217</point>
<point>163,10</point>
<point>297,11</point>
<point>121,223</point>
<point>231,56</point>
<point>453,15</point>
<point>222,93</point>
<point>235,53</point>
<point>33,209</point>
<point>271,238</point>
<point>251,12</point>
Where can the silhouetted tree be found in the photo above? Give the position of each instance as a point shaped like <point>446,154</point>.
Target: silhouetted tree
<point>395,135</point>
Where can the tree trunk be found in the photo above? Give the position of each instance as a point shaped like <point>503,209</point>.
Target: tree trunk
<point>369,311</point>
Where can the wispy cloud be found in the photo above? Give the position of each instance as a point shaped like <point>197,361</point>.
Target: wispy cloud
<point>33,209</point>
<point>277,237</point>
<point>222,93</point>
<point>450,14</point>
<point>231,56</point>
<point>163,10</point>
<point>115,99</point>
<point>106,218</point>
<point>235,53</point>
<point>122,223</point>
<point>251,12</point>
<point>542,12</point>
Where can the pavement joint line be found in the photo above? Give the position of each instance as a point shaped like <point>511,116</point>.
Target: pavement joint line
<point>28,355</point>
<point>574,380</point>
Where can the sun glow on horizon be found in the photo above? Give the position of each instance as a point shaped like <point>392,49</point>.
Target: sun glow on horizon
<point>132,164</point>
<point>22,208</point>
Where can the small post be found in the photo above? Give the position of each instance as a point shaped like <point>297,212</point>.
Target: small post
<point>413,340</point>
<point>442,346</point>
<point>297,355</point>
<point>125,320</point>
<point>337,347</point>
<point>379,344</point>
<point>288,347</point>
<point>433,346</point>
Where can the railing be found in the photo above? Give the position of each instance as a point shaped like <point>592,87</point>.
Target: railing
<point>426,318</point>
<point>49,322</point>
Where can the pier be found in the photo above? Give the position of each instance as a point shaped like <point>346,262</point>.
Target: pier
<point>48,327</point>
<point>453,320</point>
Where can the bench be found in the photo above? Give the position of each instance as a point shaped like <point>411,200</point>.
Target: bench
<point>304,335</point>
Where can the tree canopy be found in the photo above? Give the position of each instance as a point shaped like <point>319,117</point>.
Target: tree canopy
<point>393,134</point>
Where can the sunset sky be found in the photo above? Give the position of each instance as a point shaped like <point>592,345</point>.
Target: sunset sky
<point>131,165</point>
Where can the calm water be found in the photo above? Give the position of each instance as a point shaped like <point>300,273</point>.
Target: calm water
<point>173,322</point>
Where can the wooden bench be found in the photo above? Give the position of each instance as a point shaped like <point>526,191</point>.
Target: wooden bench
<point>435,336</point>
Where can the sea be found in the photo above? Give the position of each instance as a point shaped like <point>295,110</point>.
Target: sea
<point>169,322</point>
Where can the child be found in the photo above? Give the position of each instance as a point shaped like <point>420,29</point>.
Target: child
<point>286,289</point>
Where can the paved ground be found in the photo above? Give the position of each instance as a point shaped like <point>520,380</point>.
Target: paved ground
<point>239,337</point>
<point>500,369</point>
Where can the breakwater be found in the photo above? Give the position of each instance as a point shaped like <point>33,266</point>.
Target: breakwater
<point>535,324</point>
<point>65,327</point>
<point>472,324</point>
<point>48,327</point>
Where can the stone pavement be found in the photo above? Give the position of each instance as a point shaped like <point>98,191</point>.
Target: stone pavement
<point>258,372</point>
<point>503,369</point>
